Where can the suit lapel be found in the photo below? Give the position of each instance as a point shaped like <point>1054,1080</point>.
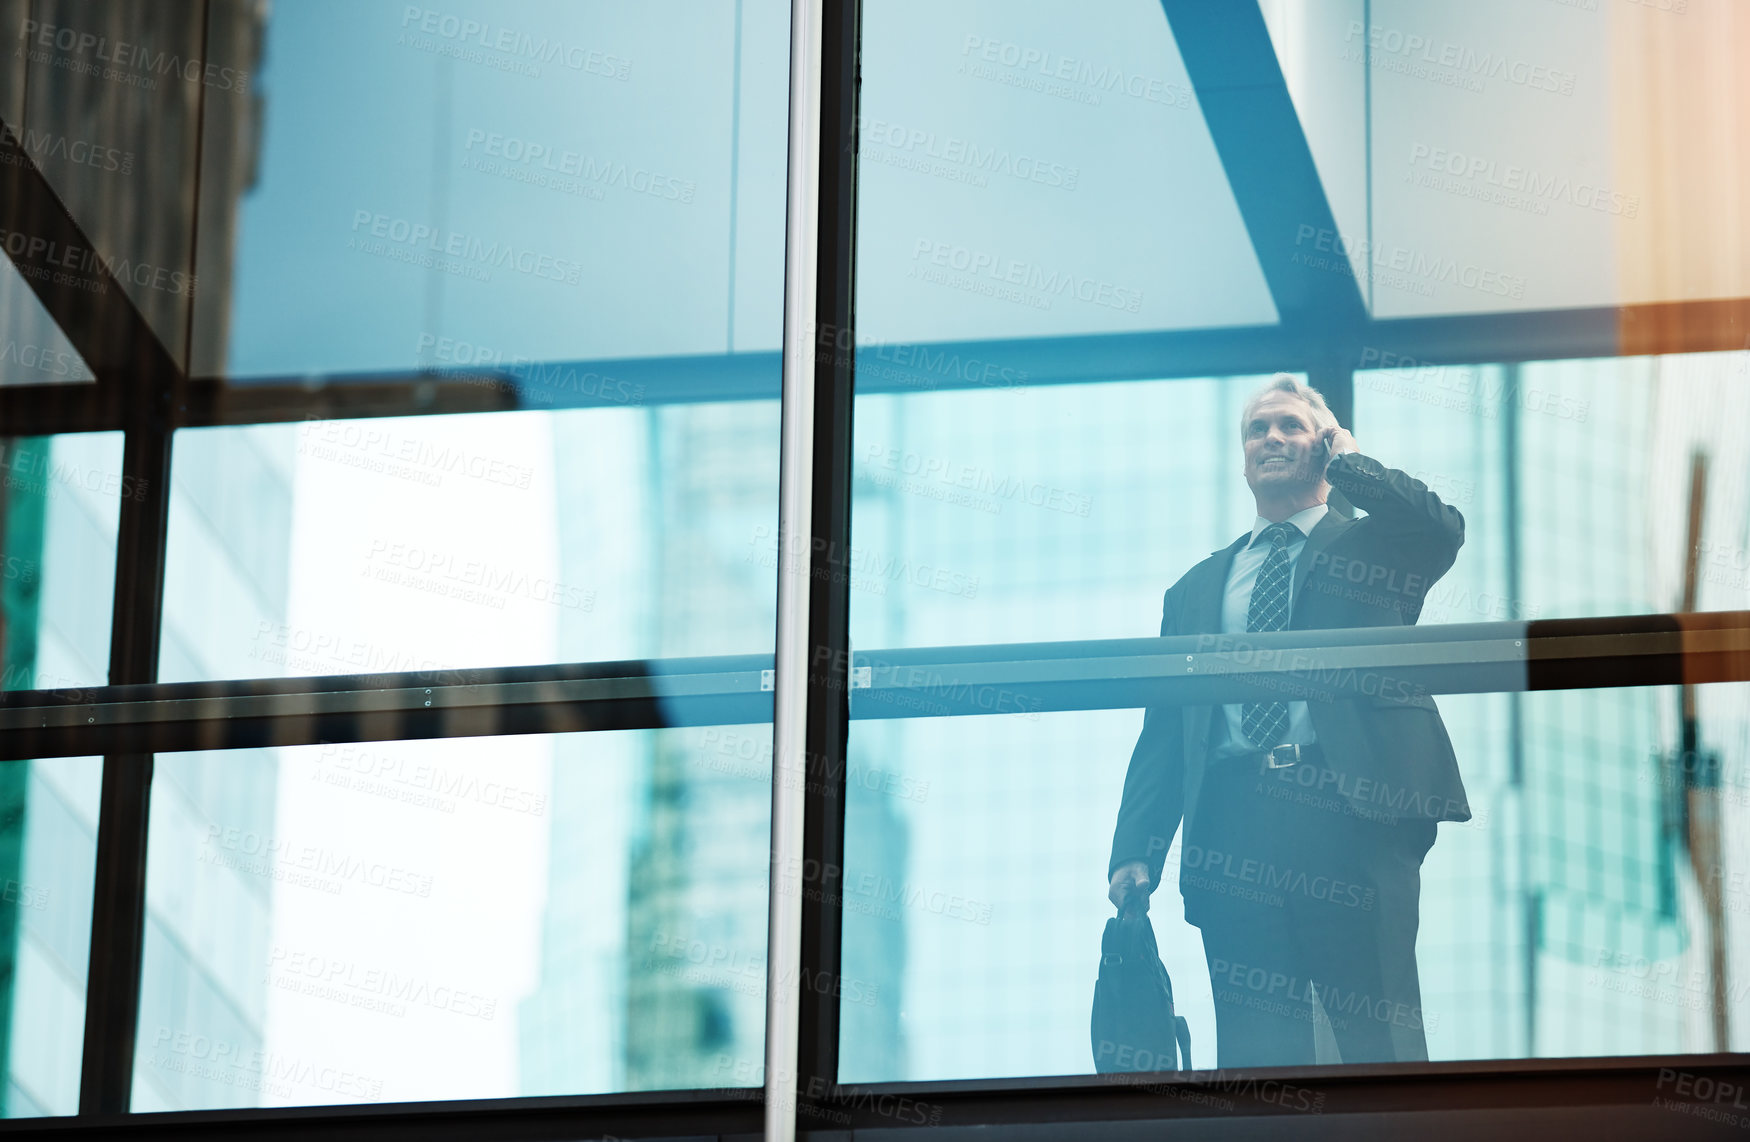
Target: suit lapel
<point>1203,610</point>
<point>1323,533</point>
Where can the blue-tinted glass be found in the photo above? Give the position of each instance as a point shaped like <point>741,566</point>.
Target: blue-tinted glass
<point>1598,460</point>
<point>1502,156</point>
<point>1595,459</point>
<point>356,547</point>
<point>504,194</point>
<point>48,855</point>
<point>1578,862</point>
<point>1010,515</point>
<point>474,918</point>
<point>59,504</point>
<point>1568,915</point>
<point>488,183</point>
<point>62,496</point>
<point>1028,170</point>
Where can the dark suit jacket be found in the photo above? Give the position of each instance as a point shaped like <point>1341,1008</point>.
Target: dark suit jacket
<point>1389,750</point>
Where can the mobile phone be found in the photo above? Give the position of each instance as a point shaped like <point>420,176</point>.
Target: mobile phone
<point>1335,499</point>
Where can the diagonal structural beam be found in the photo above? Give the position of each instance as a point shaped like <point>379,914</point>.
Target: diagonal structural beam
<point>1263,150</point>
<point>72,280</point>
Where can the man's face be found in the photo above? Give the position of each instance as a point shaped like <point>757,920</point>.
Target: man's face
<point>1282,450</point>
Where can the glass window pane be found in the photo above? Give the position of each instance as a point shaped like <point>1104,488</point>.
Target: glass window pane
<point>1017,515</point>
<point>354,547</point>
<point>48,857</point>
<point>1596,458</point>
<point>1498,156</point>
<point>505,182</point>
<point>1028,170</point>
<point>59,508</point>
<point>1580,857</point>
<point>472,918</point>
<point>1565,918</point>
<point>58,515</point>
<point>980,519</point>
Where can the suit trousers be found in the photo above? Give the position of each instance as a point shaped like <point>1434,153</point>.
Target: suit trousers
<point>1304,900</point>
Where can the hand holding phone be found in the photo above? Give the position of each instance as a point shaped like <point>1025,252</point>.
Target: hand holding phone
<point>1329,441</point>
<point>1334,442</point>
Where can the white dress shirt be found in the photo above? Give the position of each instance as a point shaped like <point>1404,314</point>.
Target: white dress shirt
<point>1226,737</point>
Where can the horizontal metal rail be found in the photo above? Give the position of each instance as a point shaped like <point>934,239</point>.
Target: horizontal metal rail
<point>1387,666</point>
<point>1405,345</point>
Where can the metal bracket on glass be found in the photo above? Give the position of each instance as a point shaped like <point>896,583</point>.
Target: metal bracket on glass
<point>857,678</point>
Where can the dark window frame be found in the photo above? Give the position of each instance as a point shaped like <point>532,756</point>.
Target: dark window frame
<point>1323,332</point>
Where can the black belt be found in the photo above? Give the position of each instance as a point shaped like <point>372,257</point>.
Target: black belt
<point>1283,757</point>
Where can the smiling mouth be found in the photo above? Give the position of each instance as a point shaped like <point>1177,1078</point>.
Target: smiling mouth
<point>1265,463</point>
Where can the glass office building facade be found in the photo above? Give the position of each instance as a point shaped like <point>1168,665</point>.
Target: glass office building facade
<point>403,411</point>
<point>1531,909</point>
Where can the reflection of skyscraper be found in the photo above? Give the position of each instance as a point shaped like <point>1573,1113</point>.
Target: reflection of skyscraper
<point>571,1031</point>
<point>138,211</point>
<point>208,922</point>
<point>654,848</point>
<point>48,809</point>
<point>871,1031</point>
<point>665,910</point>
<point>192,977</point>
<point>1598,868</point>
<point>1562,470</point>
<point>699,872</point>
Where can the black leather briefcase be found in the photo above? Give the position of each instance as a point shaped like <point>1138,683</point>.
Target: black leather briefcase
<point>1133,1025</point>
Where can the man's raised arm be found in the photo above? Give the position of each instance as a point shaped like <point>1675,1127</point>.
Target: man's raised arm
<point>1395,497</point>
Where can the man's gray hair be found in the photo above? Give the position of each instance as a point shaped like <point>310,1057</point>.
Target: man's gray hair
<point>1322,416</point>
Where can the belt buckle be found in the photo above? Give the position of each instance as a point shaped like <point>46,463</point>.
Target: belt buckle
<point>1289,753</point>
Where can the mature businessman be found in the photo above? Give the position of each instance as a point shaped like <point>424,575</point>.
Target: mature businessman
<point>1307,811</point>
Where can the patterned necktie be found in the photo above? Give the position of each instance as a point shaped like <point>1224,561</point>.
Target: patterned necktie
<point>1265,723</point>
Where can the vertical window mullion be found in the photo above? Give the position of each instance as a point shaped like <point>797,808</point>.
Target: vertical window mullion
<point>118,914</point>
<point>834,349</point>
